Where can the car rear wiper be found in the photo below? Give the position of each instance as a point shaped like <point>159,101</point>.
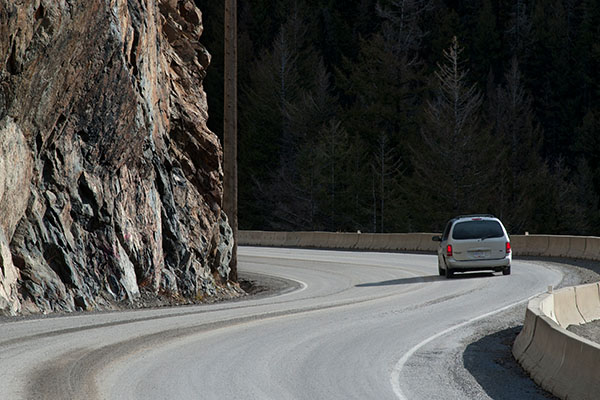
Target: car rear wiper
<point>488,237</point>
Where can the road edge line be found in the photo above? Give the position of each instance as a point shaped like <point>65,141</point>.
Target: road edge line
<point>396,371</point>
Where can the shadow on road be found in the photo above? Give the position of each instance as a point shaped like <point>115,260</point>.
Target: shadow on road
<point>404,281</point>
<point>489,360</point>
<point>427,278</point>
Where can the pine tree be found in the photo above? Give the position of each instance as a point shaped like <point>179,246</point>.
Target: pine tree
<point>518,176</point>
<point>453,161</point>
<point>548,69</point>
<point>387,172</point>
<point>267,137</point>
<point>486,42</point>
<point>519,27</point>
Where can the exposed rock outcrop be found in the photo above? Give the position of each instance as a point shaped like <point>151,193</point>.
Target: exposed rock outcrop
<point>110,181</point>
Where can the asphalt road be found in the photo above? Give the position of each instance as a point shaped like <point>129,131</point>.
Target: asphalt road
<point>353,325</point>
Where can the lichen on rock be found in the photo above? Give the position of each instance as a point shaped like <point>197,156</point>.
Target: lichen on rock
<point>110,181</point>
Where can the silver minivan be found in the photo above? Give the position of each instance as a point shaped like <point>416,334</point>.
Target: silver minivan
<point>474,243</point>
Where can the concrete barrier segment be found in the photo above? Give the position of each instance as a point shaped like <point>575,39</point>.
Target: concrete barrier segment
<point>536,245</point>
<point>365,241</point>
<point>381,241</point>
<point>559,361</point>
<point>261,238</point>
<point>396,242</point>
<point>278,238</point>
<point>565,308</point>
<point>519,245</point>
<point>318,240</point>
<point>387,242</point>
<point>579,374</point>
<point>292,239</point>
<point>426,244</point>
<point>543,357</point>
<point>523,340</point>
<point>344,240</point>
<point>391,242</point>
<point>588,301</point>
<point>549,366</point>
<point>411,242</point>
<point>306,239</point>
<point>247,238</point>
<point>592,248</point>
<point>546,306</point>
<point>577,247</point>
<point>558,246</point>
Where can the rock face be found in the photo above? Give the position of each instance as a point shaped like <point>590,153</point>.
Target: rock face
<point>110,182</point>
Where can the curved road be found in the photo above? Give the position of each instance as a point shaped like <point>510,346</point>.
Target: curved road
<point>357,326</point>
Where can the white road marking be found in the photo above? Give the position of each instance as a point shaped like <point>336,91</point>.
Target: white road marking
<point>397,370</point>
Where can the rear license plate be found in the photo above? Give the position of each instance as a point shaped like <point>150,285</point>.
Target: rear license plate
<point>479,254</point>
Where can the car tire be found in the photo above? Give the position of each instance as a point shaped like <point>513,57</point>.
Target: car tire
<point>441,271</point>
<point>449,273</point>
<point>506,271</point>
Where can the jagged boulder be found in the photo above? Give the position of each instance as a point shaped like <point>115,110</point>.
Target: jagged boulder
<point>110,181</point>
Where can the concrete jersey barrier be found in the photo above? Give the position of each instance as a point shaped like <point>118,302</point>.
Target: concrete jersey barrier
<point>341,240</point>
<point>561,362</point>
<point>578,247</point>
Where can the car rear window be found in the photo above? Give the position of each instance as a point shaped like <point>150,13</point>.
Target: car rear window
<point>477,230</point>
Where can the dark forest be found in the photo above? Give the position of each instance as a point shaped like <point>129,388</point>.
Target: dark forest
<point>393,116</point>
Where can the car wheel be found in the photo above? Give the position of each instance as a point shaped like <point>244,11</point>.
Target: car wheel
<point>441,271</point>
<point>449,273</point>
<point>506,271</point>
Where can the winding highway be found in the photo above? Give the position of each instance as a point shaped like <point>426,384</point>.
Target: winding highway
<point>353,325</point>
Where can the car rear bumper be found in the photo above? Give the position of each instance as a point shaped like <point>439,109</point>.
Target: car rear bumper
<point>474,265</point>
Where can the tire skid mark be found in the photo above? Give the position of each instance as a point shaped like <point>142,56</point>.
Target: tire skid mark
<point>73,375</point>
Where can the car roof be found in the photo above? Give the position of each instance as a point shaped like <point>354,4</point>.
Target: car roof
<point>471,216</point>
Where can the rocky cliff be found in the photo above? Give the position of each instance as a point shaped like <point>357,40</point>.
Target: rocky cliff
<point>110,182</point>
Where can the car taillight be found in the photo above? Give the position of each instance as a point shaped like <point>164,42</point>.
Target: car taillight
<point>507,247</point>
<point>449,250</point>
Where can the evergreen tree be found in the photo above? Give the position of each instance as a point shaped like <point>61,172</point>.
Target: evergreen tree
<point>586,147</point>
<point>588,55</point>
<point>519,27</point>
<point>291,111</point>
<point>267,138</point>
<point>486,46</point>
<point>518,175</point>
<point>549,71</point>
<point>387,173</point>
<point>559,210</point>
<point>453,162</point>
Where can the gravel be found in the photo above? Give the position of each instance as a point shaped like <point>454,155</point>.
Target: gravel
<point>590,331</point>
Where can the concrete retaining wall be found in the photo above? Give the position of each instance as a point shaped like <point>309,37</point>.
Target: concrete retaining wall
<point>561,362</point>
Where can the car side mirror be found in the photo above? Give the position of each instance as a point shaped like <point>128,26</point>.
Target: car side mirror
<point>437,238</point>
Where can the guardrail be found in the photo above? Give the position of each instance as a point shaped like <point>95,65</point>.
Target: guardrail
<point>561,362</point>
